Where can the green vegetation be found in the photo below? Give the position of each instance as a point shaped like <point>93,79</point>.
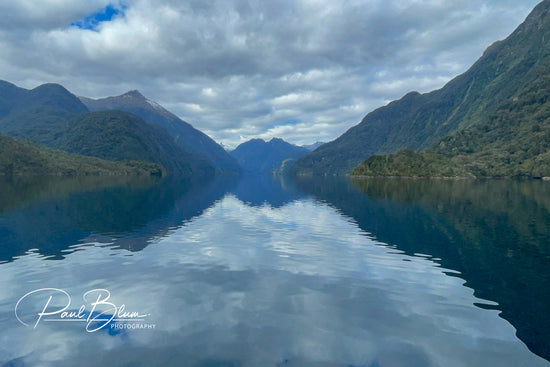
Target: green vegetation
<point>409,163</point>
<point>514,141</point>
<point>40,114</point>
<point>119,135</point>
<point>504,81</point>
<point>26,158</point>
<point>42,125</point>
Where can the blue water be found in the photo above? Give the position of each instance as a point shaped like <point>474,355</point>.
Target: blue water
<point>252,272</point>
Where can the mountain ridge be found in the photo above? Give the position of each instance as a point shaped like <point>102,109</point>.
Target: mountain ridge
<point>194,141</point>
<point>514,141</point>
<point>52,116</point>
<point>417,121</point>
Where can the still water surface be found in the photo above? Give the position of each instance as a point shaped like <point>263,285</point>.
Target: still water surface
<point>269,272</point>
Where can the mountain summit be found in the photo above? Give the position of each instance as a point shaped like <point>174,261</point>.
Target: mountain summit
<point>39,114</point>
<point>193,140</point>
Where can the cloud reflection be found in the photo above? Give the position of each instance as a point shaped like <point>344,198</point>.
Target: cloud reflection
<point>299,285</point>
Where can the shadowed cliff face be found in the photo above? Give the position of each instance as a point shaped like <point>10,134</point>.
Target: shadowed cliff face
<point>495,233</point>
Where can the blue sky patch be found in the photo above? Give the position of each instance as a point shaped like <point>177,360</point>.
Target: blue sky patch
<point>91,22</point>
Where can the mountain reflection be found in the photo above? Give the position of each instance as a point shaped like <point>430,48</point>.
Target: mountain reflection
<point>495,233</point>
<point>250,271</point>
<point>53,214</point>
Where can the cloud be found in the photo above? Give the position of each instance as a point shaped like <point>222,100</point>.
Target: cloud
<point>34,16</point>
<point>245,68</point>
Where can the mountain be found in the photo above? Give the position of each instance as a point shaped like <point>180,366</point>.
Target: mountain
<point>258,156</point>
<point>507,70</point>
<point>13,99</point>
<point>120,135</point>
<point>26,158</point>
<point>40,114</point>
<point>52,116</point>
<point>514,141</point>
<point>312,147</point>
<point>10,94</point>
<point>511,141</point>
<point>193,140</point>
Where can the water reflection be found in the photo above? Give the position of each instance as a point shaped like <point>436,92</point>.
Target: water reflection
<point>274,190</point>
<point>53,214</point>
<point>298,285</point>
<point>495,233</point>
<point>256,273</point>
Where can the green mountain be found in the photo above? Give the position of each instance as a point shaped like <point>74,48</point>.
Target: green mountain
<point>501,78</point>
<point>120,135</point>
<point>52,116</point>
<point>259,156</point>
<point>40,114</point>
<point>514,141</point>
<point>194,141</point>
<point>26,158</point>
<point>14,99</point>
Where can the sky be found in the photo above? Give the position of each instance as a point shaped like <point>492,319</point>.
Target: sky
<point>301,70</point>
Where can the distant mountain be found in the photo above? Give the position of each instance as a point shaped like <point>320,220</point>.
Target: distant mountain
<point>312,147</point>
<point>26,158</point>
<point>505,73</point>
<point>258,156</point>
<point>193,140</point>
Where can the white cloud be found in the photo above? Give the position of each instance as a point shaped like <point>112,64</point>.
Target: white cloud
<point>246,67</point>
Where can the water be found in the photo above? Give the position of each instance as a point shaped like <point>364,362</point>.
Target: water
<point>269,272</point>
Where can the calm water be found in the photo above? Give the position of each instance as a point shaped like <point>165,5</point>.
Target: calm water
<point>268,272</point>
